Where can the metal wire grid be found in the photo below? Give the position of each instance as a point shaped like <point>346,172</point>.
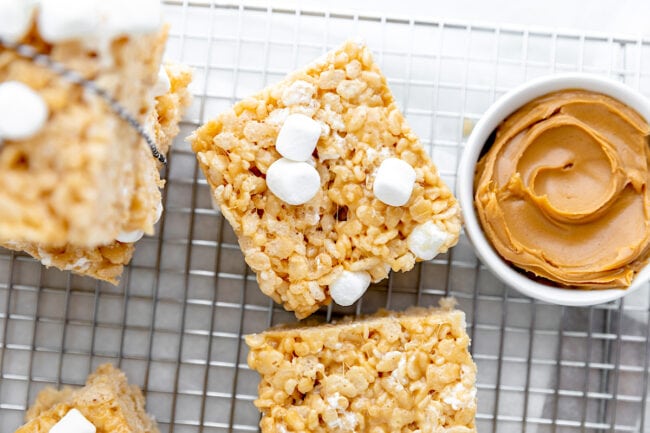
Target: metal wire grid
<point>175,322</point>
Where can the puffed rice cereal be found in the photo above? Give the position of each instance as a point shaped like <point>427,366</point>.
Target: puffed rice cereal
<point>106,262</point>
<point>392,372</point>
<point>107,401</point>
<point>298,251</point>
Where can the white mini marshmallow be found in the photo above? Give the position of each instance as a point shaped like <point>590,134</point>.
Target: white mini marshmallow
<point>15,19</point>
<point>298,137</point>
<point>23,112</point>
<point>425,240</point>
<point>293,182</point>
<point>130,16</point>
<point>60,20</point>
<point>130,237</point>
<point>163,85</point>
<point>46,258</point>
<point>349,287</point>
<point>73,422</point>
<point>394,182</point>
<point>159,211</point>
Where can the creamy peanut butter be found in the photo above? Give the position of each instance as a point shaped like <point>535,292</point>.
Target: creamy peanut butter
<point>563,191</point>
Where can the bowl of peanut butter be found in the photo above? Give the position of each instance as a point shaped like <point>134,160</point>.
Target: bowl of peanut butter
<point>553,183</point>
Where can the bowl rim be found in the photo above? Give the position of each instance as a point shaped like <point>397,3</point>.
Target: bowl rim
<point>496,113</point>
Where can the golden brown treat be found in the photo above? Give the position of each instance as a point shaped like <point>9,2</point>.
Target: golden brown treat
<point>73,181</point>
<point>563,191</point>
<point>107,401</point>
<point>392,372</point>
<point>46,399</point>
<point>163,122</point>
<point>106,262</point>
<point>103,262</point>
<point>298,251</point>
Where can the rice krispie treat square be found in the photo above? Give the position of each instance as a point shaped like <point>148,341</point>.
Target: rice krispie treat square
<point>392,372</point>
<point>106,262</point>
<point>107,402</point>
<point>67,161</point>
<point>325,223</point>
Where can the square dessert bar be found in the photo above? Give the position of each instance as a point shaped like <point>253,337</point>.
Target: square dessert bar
<point>71,182</point>
<point>392,372</point>
<point>345,236</point>
<point>106,262</point>
<point>107,401</point>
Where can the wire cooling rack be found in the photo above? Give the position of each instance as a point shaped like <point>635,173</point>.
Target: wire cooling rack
<point>175,322</point>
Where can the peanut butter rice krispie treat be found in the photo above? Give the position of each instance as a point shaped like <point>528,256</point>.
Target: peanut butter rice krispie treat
<point>392,372</point>
<point>68,163</point>
<point>107,404</point>
<point>325,184</point>
<point>106,262</point>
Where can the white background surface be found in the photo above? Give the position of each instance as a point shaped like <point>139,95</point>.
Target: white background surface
<point>608,16</point>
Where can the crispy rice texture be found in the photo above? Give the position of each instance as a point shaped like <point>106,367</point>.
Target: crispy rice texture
<point>391,372</point>
<point>107,401</point>
<point>297,251</point>
<point>106,262</point>
<point>73,181</point>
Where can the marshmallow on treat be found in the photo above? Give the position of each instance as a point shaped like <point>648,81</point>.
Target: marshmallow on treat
<point>394,182</point>
<point>130,237</point>
<point>93,20</point>
<point>128,17</point>
<point>293,182</point>
<point>135,235</point>
<point>15,19</point>
<point>298,137</point>
<point>73,422</point>
<point>23,112</point>
<point>159,211</point>
<point>425,240</point>
<point>348,287</point>
<point>60,20</point>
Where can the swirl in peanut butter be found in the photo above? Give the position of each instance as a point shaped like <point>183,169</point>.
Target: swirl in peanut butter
<point>562,192</point>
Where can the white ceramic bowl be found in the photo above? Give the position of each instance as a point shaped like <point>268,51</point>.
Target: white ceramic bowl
<point>498,112</point>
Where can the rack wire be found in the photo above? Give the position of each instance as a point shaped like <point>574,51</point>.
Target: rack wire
<point>175,322</point>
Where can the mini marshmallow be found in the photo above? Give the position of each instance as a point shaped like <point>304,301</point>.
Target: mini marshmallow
<point>130,237</point>
<point>73,422</point>
<point>15,19</point>
<point>425,240</point>
<point>163,85</point>
<point>60,20</point>
<point>46,258</point>
<point>159,211</point>
<point>298,137</point>
<point>293,182</point>
<point>348,287</point>
<point>130,16</point>
<point>394,182</point>
<point>23,112</point>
